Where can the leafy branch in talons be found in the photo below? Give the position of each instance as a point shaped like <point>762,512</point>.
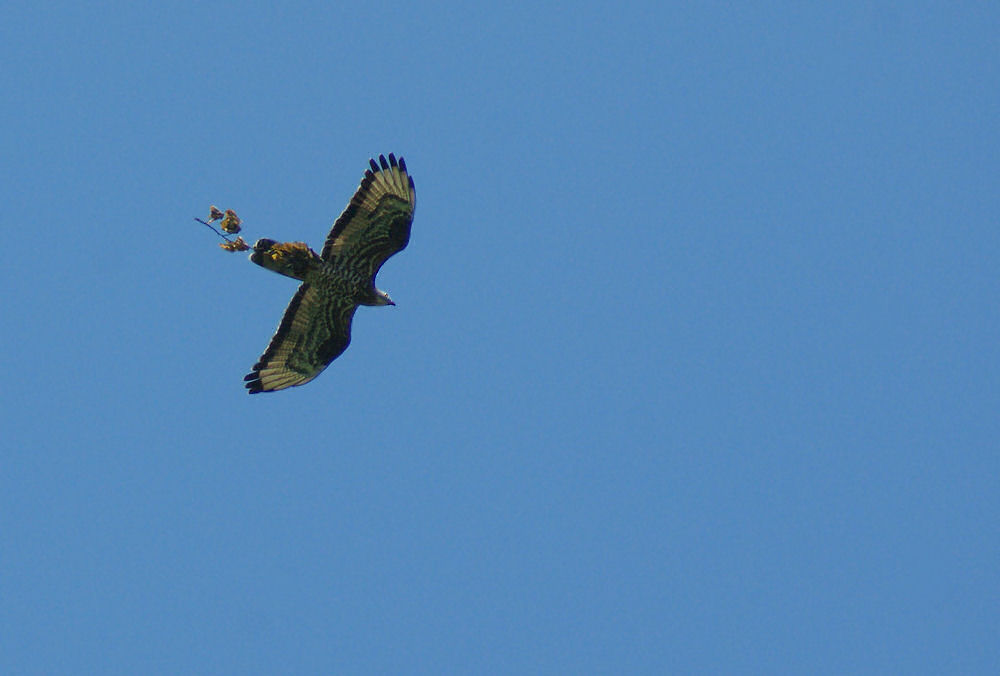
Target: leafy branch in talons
<point>230,224</point>
<point>238,244</point>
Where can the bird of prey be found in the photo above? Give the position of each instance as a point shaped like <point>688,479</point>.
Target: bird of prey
<point>316,327</point>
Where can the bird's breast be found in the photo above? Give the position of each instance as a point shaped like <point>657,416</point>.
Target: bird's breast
<point>335,281</point>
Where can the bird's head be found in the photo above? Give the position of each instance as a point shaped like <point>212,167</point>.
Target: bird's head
<point>382,298</point>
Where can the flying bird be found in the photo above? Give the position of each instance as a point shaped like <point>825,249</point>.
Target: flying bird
<point>316,327</point>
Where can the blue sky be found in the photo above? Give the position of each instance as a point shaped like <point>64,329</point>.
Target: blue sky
<point>693,368</point>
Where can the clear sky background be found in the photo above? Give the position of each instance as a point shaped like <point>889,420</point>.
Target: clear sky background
<point>694,367</point>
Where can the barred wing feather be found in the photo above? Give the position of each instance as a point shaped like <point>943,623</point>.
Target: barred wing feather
<point>315,330</point>
<point>376,223</point>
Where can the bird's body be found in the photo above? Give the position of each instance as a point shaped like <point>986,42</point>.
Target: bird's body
<point>298,261</point>
<point>316,327</point>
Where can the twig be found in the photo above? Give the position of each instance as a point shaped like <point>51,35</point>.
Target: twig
<point>214,230</point>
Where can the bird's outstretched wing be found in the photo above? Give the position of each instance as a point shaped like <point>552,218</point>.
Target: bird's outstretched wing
<point>315,330</point>
<point>376,223</point>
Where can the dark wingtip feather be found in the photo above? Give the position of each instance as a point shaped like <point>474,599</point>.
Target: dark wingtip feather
<point>381,160</point>
<point>252,380</point>
<point>253,383</point>
<point>392,160</point>
<point>402,163</point>
<point>373,165</point>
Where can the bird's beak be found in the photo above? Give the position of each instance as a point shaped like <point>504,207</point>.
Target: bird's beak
<point>391,303</point>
